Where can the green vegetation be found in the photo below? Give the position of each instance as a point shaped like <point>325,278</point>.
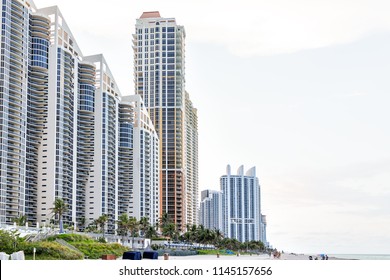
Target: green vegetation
<point>96,250</point>
<point>47,250</point>
<point>71,237</point>
<point>9,241</point>
<point>92,249</point>
<point>84,246</point>
<point>59,209</point>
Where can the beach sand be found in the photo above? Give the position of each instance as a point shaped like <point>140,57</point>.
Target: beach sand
<point>245,257</point>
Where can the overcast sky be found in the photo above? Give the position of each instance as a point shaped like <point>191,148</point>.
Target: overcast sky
<point>299,89</point>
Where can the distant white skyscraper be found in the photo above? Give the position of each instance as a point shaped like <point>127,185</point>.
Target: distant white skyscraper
<point>210,214</point>
<point>159,77</point>
<point>142,182</point>
<point>241,205</point>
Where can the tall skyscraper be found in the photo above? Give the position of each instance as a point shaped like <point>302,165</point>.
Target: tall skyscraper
<point>102,194</point>
<point>58,121</point>
<point>59,157</point>
<point>159,77</point>
<point>141,182</point>
<point>191,160</point>
<point>14,63</point>
<point>241,205</point>
<point>210,214</point>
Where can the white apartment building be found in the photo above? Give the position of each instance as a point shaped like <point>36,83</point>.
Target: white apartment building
<point>241,205</point>
<point>68,131</point>
<point>144,183</point>
<point>102,189</point>
<point>210,214</point>
<point>14,62</point>
<point>58,121</point>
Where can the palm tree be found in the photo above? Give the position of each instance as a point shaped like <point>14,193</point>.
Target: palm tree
<point>151,232</point>
<point>59,208</point>
<point>101,222</point>
<point>82,222</point>
<point>164,220</point>
<point>123,226</point>
<point>170,230</point>
<point>92,227</point>
<point>133,228</point>
<point>20,221</point>
<point>218,237</point>
<point>144,225</point>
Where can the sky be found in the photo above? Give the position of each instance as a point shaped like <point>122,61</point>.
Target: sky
<point>300,89</point>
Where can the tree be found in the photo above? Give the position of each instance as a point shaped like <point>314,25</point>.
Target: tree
<point>92,227</point>
<point>9,241</point>
<point>170,230</point>
<point>123,226</point>
<point>144,225</point>
<point>20,220</point>
<point>151,232</point>
<point>133,228</point>
<point>101,222</point>
<point>81,224</point>
<point>164,220</point>
<point>218,237</point>
<point>59,209</point>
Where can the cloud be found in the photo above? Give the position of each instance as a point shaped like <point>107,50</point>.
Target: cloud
<point>246,27</point>
<point>250,27</point>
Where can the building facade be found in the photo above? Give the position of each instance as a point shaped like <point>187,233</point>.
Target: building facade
<point>159,77</point>
<point>142,182</point>
<point>241,205</point>
<point>210,214</point>
<point>58,121</point>
<point>102,194</point>
<point>14,68</point>
<point>191,160</point>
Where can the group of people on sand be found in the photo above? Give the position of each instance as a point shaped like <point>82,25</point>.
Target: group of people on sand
<point>323,257</point>
<point>275,253</point>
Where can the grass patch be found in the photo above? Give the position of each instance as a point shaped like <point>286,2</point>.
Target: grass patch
<point>96,250</point>
<point>47,250</point>
<point>215,251</point>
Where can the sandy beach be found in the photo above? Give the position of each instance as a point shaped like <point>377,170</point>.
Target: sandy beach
<point>245,257</point>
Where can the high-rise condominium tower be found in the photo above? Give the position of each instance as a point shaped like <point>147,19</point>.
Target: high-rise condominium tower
<point>15,41</point>
<point>210,214</point>
<point>101,192</point>
<point>159,77</point>
<point>139,165</point>
<point>241,205</point>
<point>58,121</point>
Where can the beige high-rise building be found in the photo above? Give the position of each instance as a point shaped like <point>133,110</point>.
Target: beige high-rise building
<point>159,77</point>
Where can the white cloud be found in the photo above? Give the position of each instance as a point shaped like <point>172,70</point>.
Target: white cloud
<point>246,27</point>
<point>271,27</point>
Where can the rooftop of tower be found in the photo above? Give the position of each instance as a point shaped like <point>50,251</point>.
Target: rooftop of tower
<point>154,14</point>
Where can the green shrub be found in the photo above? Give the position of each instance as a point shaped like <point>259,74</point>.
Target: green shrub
<point>46,250</point>
<point>9,241</point>
<point>96,250</point>
<point>101,239</point>
<point>71,237</point>
<point>212,252</point>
